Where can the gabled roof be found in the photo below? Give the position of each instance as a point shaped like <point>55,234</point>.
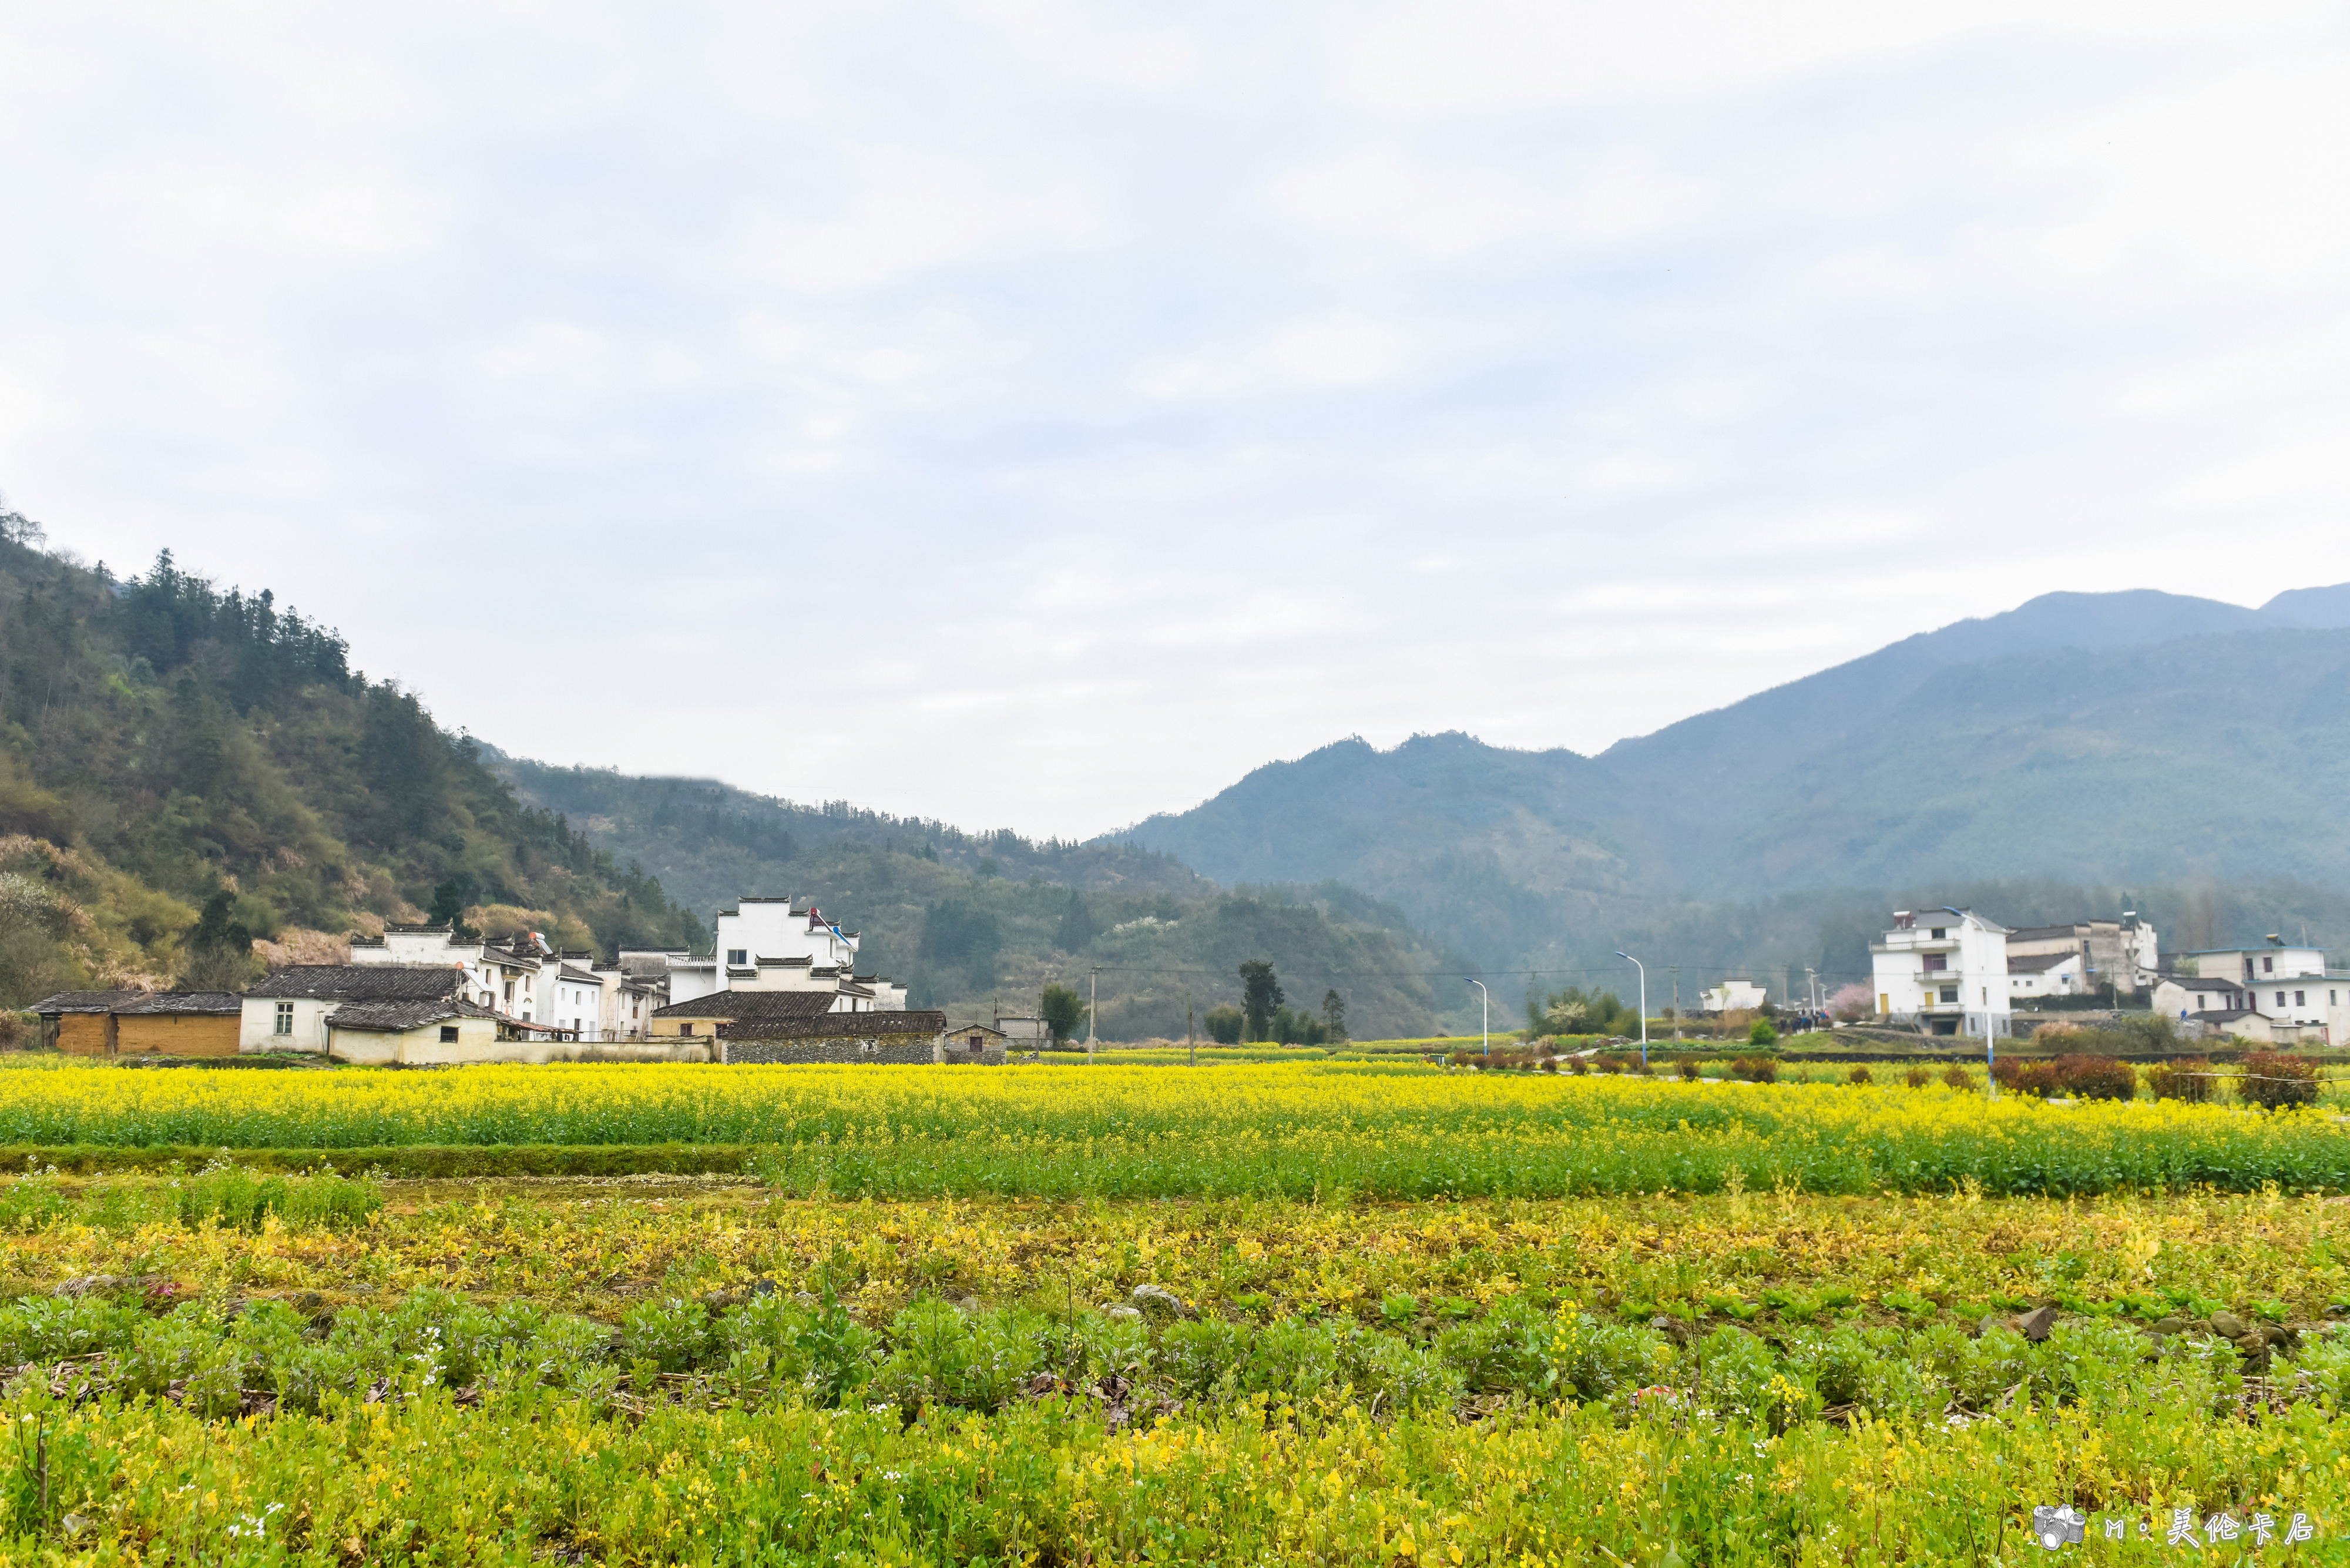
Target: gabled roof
<point>364,983</point>
<point>398,1017</point>
<point>184,1004</point>
<point>581,976</point>
<point>87,1001</point>
<point>2039,963</point>
<point>975,1029</point>
<point>834,1026</point>
<point>750,1004</point>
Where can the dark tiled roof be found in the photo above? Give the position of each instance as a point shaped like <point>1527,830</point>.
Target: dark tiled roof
<point>2038,963</point>
<point>834,1026</point>
<point>364,983</point>
<point>580,976</point>
<point>981,1028</point>
<point>209,1003</point>
<point>396,1017</point>
<point>750,1004</point>
<point>88,1002</point>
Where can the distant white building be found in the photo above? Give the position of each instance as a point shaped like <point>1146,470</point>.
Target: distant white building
<point>2290,988</point>
<point>2124,954</point>
<point>1945,972</point>
<point>779,944</point>
<point>2036,975</point>
<point>1733,996</point>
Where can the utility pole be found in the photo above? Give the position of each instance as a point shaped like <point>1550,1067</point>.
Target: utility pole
<point>1488,1014</point>
<point>1191,1041</point>
<point>1093,1012</point>
<point>1811,990</point>
<point>1676,1002</point>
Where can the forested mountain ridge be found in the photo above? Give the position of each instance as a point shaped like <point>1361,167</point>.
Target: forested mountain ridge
<point>981,922</point>
<point>163,743</point>
<point>2136,736</point>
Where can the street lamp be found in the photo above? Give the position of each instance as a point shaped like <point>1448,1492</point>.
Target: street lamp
<point>1489,1013</point>
<point>1635,963</point>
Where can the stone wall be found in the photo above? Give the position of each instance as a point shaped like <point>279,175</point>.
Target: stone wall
<point>886,1048</point>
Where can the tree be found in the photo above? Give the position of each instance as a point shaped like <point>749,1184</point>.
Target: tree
<point>1261,995</point>
<point>1077,926</point>
<point>1224,1023</point>
<point>452,896</point>
<point>1761,1033</point>
<point>1062,1009</point>
<point>1298,1026</point>
<point>1333,1014</point>
<point>218,949</point>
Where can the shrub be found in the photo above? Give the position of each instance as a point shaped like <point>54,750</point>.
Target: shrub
<point>1761,1033</point>
<point>2274,1080</point>
<point>2096,1077</point>
<point>1756,1069</point>
<point>1957,1077</point>
<point>1917,1077</point>
<point>2027,1077</point>
<point>1688,1068</point>
<point>1859,1073</point>
<point>1579,1065</point>
<point>2190,1080</point>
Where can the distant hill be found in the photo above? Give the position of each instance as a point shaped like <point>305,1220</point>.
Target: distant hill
<point>2133,736</point>
<point>975,922</point>
<point>165,746</point>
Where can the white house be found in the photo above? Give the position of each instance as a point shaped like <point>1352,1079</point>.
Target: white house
<point>2285,985</point>
<point>778,944</point>
<point>2125,954</point>
<point>2186,996</point>
<point>1734,995</point>
<point>2036,975</point>
<point>1948,978</point>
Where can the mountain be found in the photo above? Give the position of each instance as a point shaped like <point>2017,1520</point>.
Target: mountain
<point>979,923</point>
<point>2133,736</point>
<point>183,769</point>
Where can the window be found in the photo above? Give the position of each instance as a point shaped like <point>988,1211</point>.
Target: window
<point>2300,999</point>
<point>2268,966</point>
<point>448,1034</point>
<point>1937,962</point>
<point>2333,998</point>
<point>1939,933</point>
<point>1949,993</point>
<point>2280,999</point>
<point>685,1029</point>
<point>284,1024</point>
<point>738,957</point>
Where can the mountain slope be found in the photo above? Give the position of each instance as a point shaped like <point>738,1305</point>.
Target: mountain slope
<point>981,923</point>
<point>2137,734</point>
<point>162,742</point>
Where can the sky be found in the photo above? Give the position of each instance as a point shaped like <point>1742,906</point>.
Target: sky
<point>1036,416</point>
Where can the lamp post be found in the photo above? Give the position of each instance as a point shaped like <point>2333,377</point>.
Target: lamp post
<point>1635,963</point>
<point>1489,1013</point>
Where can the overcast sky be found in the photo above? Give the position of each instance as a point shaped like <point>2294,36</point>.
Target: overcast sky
<point>1036,416</point>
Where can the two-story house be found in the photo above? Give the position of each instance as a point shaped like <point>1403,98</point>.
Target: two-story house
<point>1945,971</point>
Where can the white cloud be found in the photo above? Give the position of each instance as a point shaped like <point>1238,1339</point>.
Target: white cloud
<point>1193,386</point>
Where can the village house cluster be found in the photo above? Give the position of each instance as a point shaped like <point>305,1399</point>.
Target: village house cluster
<point>782,985</point>
<point>1951,971</point>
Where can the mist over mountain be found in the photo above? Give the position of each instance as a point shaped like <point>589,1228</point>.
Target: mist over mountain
<point>2083,739</point>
